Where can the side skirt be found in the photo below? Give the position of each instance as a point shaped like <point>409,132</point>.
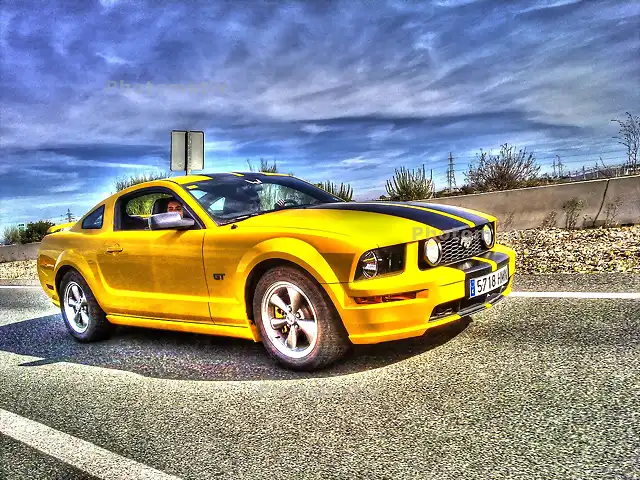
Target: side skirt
<point>191,327</point>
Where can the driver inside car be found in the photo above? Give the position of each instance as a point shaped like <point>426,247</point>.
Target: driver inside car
<point>175,206</point>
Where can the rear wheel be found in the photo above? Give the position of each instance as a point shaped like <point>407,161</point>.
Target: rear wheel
<point>82,315</point>
<point>298,324</point>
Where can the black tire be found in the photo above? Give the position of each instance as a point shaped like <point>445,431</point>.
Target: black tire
<point>97,325</point>
<point>332,339</point>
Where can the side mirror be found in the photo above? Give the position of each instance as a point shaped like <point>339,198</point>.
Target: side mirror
<point>170,221</point>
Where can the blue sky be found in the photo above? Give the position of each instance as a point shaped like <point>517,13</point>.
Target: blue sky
<point>333,90</point>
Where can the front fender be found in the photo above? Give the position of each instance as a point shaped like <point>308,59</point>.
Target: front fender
<point>292,250</point>
<point>295,251</point>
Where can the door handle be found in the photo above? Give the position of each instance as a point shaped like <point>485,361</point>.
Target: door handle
<point>114,248</point>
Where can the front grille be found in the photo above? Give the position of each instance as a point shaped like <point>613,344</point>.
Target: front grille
<point>452,249</point>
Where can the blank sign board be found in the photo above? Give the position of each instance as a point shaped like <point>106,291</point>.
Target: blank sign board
<point>187,150</point>
<point>195,148</point>
<point>178,150</point>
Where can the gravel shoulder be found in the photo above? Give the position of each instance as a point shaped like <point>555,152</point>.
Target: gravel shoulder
<point>557,250</point>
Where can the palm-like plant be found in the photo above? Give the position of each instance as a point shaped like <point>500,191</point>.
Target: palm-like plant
<point>344,191</point>
<point>410,185</point>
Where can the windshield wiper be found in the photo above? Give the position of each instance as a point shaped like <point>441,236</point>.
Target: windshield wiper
<point>241,217</point>
<point>255,214</point>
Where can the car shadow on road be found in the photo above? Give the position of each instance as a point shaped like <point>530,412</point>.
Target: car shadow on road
<point>186,356</point>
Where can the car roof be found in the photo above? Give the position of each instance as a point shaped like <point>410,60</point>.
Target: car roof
<point>185,179</point>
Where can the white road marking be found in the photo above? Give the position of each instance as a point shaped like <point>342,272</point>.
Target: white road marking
<point>604,295</point>
<point>78,453</point>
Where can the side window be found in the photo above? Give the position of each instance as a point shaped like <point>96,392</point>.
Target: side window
<point>135,211</point>
<point>94,220</point>
<point>142,205</point>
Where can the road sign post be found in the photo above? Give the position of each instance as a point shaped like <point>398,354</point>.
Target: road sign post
<point>187,151</point>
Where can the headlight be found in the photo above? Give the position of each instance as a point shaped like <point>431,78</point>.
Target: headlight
<point>432,252</point>
<point>487,236</point>
<point>381,261</point>
<point>369,263</point>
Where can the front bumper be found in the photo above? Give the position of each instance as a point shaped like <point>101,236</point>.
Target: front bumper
<point>443,297</point>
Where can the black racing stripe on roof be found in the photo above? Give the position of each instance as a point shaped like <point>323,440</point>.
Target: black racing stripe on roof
<point>432,219</point>
<point>450,209</point>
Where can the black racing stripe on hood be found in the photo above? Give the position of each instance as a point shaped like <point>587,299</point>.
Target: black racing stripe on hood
<point>432,219</point>
<point>478,220</point>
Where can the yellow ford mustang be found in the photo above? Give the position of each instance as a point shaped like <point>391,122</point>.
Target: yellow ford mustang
<point>272,258</point>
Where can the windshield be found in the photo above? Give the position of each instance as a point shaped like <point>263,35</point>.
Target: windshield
<point>228,197</point>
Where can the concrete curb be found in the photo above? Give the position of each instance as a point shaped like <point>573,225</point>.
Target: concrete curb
<point>13,253</point>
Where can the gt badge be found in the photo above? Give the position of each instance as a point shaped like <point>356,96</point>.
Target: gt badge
<point>218,276</point>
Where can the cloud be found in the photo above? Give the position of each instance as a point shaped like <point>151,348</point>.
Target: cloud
<point>314,128</point>
<point>112,59</point>
<point>413,82</point>
<point>109,3</point>
<point>545,4</point>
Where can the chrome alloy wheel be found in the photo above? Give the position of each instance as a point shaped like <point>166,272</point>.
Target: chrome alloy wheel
<point>76,308</point>
<point>289,319</point>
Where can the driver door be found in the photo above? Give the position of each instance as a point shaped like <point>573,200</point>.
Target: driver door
<point>153,273</point>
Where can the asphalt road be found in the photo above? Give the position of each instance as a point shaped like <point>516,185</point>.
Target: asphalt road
<point>534,388</point>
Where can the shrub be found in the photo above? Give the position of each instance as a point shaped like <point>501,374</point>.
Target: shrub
<point>126,182</point>
<point>344,191</point>
<point>410,185</point>
<point>550,220</point>
<point>265,167</point>
<point>11,235</point>
<point>141,205</point>
<point>572,210</point>
<point>509,169</point>
<point>611,213</point>
<point>35,231</point>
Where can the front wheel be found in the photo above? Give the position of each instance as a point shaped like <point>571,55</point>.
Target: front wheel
<point>84,318</point>
<point>298,324</point>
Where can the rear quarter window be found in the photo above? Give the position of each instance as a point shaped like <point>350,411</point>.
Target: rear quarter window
<point>94,220</point>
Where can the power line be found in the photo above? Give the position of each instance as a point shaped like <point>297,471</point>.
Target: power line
<point>614,159</point>
<point>546,157</point>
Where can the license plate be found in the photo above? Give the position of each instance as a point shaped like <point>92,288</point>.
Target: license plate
<point>486,283</point>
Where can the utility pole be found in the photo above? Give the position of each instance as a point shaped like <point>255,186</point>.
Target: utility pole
<point>69,215</point>
<point>554,168</point>
<point>559,166</point>
<point>451,174</point>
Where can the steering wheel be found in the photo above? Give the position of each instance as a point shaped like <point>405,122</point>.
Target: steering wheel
<point>286,203</point>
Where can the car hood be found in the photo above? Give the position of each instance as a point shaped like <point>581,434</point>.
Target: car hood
<point>382,223</point>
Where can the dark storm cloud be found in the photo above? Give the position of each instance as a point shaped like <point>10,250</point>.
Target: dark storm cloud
<point>341,90</point>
